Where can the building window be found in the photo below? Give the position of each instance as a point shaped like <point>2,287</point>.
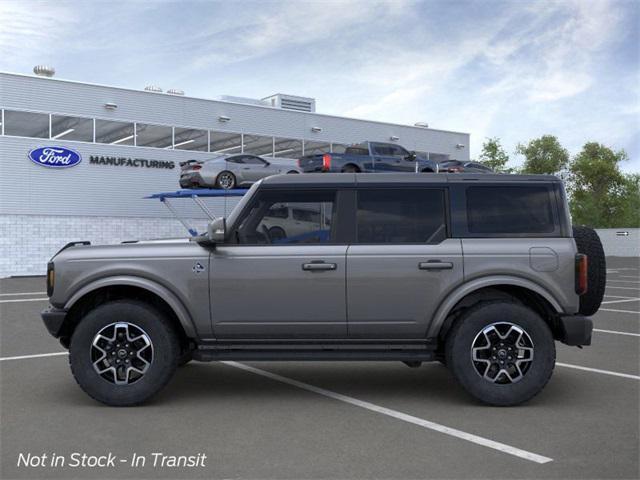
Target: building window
<point>190,139</point>
<point>401,216</point>
<point>287,148</point>
<point>225,143</point>
<point>26,124</point>
<point>71,128</point>
<point>258,145</point>
<point>114,133</point>
<point>157,136</point>
<point>313,148</point>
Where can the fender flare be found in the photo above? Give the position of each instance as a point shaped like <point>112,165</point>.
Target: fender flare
<point>467,288</point>
<point>165,294</point>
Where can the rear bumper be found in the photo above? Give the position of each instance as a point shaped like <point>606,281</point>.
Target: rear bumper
<point>575,330</point>
<point>53,319</point>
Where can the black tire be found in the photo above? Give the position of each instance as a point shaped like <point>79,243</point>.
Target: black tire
<point>221,180</point>
<point>468,328</point>
<point>350,169</point>
<point>588,242</point>
<point>277,233</point>
<point>164,344</point>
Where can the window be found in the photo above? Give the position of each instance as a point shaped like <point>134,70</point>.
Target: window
<point>357,151</point>
<point>157,136</point>
<point>389,150</point>
<point>223,142</point>
<point>190,139</point>
<point>268,220</point>
<point>114,133</point>
<point>287,148</point>
<point>312,148</point>
<point>71,128</point>
<point>26,124</point>
<point>514,209</point>
<point>401,216</point>
<point>339,148</point>
<point>252,160</point>
<point>258,145</point>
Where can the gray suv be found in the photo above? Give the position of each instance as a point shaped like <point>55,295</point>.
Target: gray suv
<point>479,272</point>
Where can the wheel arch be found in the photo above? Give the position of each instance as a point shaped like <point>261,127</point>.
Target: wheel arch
<point>487,288</point>
<point>353,165</point>
<point>128,287</point>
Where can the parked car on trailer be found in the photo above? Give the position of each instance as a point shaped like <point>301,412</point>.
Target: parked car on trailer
<point>461,166</point>
<point>231,171</point>
<point>371,157</point>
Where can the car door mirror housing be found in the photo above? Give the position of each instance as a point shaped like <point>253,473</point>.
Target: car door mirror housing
<point>216,230</point>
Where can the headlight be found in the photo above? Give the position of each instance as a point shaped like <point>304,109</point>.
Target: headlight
<point>51,278</point>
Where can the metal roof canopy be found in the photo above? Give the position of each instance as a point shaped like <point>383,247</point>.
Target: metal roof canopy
<point>196,196</point>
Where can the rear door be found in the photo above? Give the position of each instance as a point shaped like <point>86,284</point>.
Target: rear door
<point>402,263</point>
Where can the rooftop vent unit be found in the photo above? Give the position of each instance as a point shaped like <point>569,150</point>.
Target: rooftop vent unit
<point>44,71</point>
<point>153,88</point>
<point>291,102</point>
<point>175,91</point>
<point>421,124</point>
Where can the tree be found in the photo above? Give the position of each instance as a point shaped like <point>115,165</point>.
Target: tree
<point>544,155</point>
<point>494,156</point>
<point>601,195</point>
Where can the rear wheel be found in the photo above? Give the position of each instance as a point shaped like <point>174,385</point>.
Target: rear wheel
<point>588,243</point>
<point>350,169</point>
<point>502,353</point>
<point>123,352</point>
<point>226,180</point>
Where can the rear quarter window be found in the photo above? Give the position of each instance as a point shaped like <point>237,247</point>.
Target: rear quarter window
<point>521,210</point>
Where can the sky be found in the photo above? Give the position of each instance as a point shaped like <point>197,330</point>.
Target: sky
<point>514,70</point>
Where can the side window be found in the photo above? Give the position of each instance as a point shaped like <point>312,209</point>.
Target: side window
<point>268,221</point>
<point>236,159</point>
<point>401,216</point>
<point>513,209</point>
<point>251,160</point>
<point>398,151</point>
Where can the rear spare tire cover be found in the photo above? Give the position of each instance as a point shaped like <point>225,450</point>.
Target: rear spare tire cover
<point>588,242</point>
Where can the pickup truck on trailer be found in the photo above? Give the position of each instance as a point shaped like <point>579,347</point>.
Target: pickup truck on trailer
<point>482,272</point>
<point>371,157</point>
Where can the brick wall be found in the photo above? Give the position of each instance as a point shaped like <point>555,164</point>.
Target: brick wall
<point>27,242</point>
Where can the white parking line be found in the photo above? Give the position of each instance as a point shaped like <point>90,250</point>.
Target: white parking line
<point>617,311</point>
<point>616,332</point>
<point>485,442</point>
<point>615,296</point>
<point>21,293</point>
<point>621,301</point>
<point>25,300</point>
<point>597,370</point>
<point>39,355</point>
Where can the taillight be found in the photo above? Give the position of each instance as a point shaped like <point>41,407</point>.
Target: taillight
<point>582,266</point>
<point>299,162</point>
<point>326,162</point>
<point>51,277</point>
<point>196,167</point>
<point>454,170</point>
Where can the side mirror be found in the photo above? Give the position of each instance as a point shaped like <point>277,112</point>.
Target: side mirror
<point>412,156</point>
<point>216,230</point>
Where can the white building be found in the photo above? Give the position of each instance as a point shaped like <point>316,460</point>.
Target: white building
<point>42,209</point>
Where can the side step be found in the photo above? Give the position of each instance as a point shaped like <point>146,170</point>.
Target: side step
<point>314,352</point>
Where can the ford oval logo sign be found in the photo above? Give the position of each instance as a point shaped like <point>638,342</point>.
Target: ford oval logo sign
<point>55,157</point>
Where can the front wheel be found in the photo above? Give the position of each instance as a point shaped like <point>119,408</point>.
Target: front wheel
<point>123,352</point>
<point>502,353</point>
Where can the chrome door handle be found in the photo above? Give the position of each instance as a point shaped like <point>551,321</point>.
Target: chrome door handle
<point>435,265</point>
<point>319,266</point>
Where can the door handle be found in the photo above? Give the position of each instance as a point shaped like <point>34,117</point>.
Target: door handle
<point>319,266</point>
<point>435,265</point>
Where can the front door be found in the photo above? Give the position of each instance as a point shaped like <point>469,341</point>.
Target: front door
<point>280,277</point>
<point>402,263</point>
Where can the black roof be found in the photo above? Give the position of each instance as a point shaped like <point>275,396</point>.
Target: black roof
<point>355,179</point>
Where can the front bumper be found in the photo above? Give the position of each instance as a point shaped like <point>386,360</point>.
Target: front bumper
<point>575,330</point>
<point>53,319</point>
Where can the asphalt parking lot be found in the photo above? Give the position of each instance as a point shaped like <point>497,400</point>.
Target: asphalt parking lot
<point>328,420</point>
